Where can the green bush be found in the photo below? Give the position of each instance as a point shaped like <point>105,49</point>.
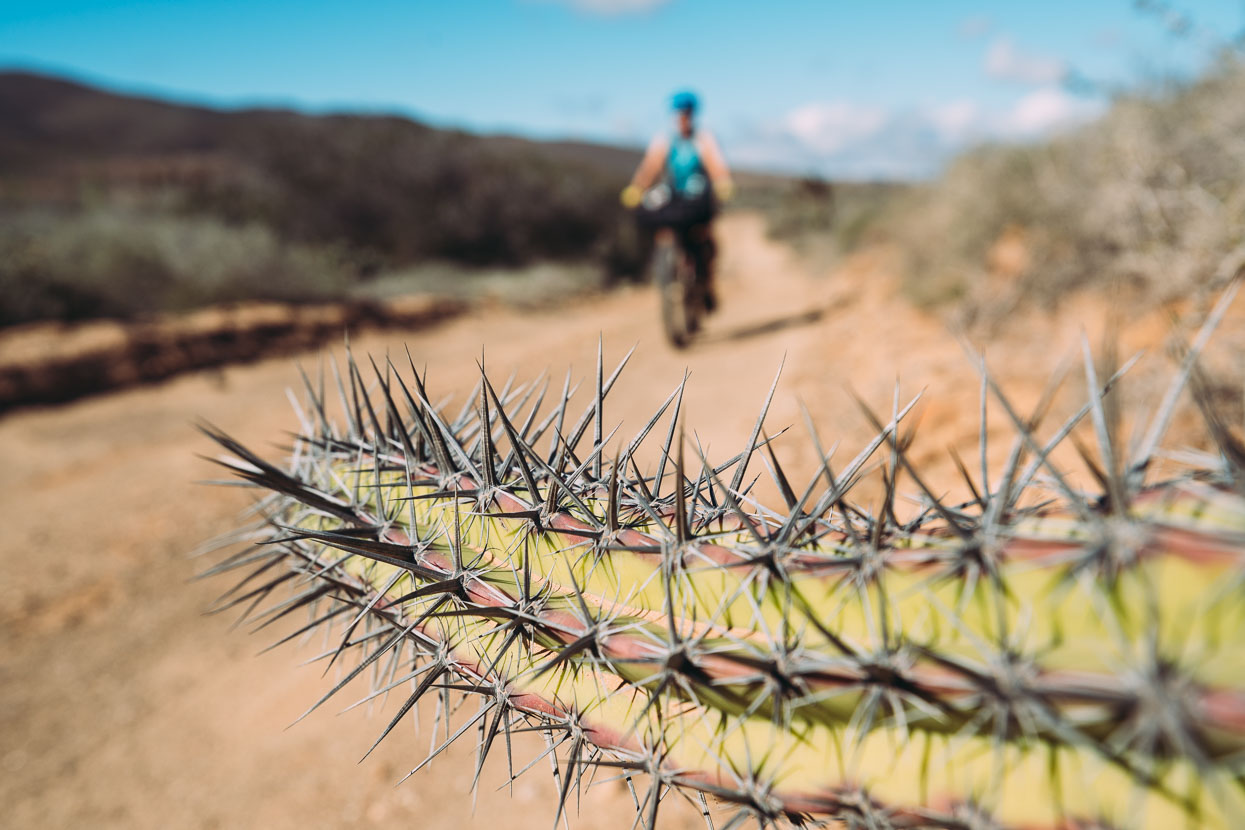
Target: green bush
<point>115,262</point>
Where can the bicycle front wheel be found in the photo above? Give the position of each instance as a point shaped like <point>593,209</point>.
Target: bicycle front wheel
<point>672,292</point>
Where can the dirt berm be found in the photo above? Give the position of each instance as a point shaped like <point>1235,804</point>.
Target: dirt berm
<point>52,362</point>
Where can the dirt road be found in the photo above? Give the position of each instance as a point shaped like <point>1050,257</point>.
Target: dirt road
<point>122,706</point>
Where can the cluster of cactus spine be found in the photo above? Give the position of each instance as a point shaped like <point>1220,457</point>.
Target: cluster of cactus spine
<point>1038,656</point>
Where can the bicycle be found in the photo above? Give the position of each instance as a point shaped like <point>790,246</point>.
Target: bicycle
<point>680,273</point>
<point>680,262</point>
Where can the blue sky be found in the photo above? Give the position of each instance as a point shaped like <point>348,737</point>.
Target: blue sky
<point>849,89</point>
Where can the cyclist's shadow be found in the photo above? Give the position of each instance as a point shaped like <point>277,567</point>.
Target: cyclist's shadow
<point>746,332</point>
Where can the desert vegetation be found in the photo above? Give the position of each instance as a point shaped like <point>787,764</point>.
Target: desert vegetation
<point>117,206</point>
<point>1149,199</point>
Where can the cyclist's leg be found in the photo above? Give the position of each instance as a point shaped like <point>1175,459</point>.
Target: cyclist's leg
<point>706,252</point>
<point>659,237</point>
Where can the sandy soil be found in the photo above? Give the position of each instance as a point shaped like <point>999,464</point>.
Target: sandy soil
<point>121,705</point>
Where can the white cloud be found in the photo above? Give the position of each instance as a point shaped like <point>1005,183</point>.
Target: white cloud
<point>829,127</point>
<point>855,140</point>
<point>865,140</point>
<point>1008,63</point>
<point>956,120</point>
<point>1044,111</point>
<point>839,138</point>
<point>611,7</point>
<point>971,28</point>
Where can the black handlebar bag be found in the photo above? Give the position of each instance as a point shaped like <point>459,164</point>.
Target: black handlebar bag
<point>665,208</point>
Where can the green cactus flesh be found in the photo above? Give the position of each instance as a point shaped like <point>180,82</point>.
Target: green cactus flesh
<point>1070,660</point>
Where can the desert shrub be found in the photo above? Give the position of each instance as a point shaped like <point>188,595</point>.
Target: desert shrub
<point>1150,197</point>
<point>399,193</point>
<point>800,207</point>
<point>115,262</point>
<point>815,214</point>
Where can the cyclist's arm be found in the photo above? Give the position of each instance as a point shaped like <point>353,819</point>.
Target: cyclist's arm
<point>715,163</point>
<point>654,160</point>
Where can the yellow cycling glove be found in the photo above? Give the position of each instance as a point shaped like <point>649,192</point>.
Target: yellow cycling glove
<point>724,190</point>
<point>631,196</point>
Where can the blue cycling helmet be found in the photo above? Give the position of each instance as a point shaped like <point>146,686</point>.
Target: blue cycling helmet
<point>685,101</point>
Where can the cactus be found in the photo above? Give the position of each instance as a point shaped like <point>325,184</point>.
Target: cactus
<point>1037,656</point>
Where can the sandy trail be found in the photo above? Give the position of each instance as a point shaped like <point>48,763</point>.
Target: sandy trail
<point>122,706</point>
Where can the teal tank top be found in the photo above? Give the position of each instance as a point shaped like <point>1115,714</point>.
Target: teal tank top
<point>684,167</point>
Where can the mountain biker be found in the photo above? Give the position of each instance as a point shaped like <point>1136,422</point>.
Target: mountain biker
<point>690,165</point>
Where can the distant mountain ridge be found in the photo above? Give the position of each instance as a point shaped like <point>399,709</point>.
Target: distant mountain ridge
<point>388,188</point>
<point>117,205</point>
<point>43,117</point>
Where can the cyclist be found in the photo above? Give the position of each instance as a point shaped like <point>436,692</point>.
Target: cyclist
<point>694,179</point>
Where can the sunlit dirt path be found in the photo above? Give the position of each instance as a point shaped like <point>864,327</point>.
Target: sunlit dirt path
<point>121,705</point>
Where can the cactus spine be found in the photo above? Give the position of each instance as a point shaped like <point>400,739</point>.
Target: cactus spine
<point>1073,660</point>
